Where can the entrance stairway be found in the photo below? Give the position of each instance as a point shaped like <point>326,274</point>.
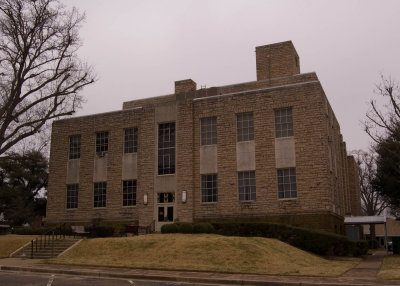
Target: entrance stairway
<point>45,252</point>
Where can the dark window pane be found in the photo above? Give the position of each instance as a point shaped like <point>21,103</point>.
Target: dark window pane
<point>209,189</point>
<point>101,142</point>
<point>75,147</point>
<point>245,127</point>
<point>283,122</point>
<point>208,131</point>
<point>166,148</point>
<point>287,183</point>
<point>247,185</point>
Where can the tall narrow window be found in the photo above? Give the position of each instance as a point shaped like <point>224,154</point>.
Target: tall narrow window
<point>100,194</point>
<point>208,131</point>
<point>129,193</point>
<point>287,183</point>
<point>283,122</point>
<point>75,147</point>
<point>101,142</point>
<point>166,148</point>
<point>209,188</point>
<point>245,127</point>
<point>72,196</point>
<point>247,185</point>
<point>131,139</point>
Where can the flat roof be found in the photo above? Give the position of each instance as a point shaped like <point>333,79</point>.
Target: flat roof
<point>365,220</point>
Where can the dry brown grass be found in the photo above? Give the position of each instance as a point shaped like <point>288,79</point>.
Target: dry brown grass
<point>10,243</point>
<point>204,252</point>
<point>390,268</point>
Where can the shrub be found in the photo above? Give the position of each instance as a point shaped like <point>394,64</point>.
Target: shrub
<point>185,227</point>
<point>31,230</point>
<point>100,231</point>
<point>203,228</point>
<point>169,228</point>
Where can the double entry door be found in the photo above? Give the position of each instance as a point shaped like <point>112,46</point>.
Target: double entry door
<point>165,207</point>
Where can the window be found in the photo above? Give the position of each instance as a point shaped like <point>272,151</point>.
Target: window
<point>131,138</point>
<point>283,122</point>
<point>245,127</point>
<point>165,198</point>
<point>209,131</point>
<point>247,185</point>
<point>209,188</point>
<point>287,183</point>
<point>72,196</point>
<point>101,142</point>
<point>129,193</point>
<point>75,147</point>
<point>100,192</point>
<point>166,148</point>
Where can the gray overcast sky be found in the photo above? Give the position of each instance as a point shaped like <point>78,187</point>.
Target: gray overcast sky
<point>139,48</point>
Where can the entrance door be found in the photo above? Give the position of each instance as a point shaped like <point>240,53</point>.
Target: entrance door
<point>165,213</point>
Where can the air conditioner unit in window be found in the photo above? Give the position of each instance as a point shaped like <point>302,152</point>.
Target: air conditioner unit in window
<point>330,138</point>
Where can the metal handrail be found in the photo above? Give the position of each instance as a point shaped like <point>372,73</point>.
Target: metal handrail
<point>47,239</point>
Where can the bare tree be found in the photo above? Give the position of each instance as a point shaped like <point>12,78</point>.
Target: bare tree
<point>41,74</point>
<point>383,120</point>
<point>383,126</point>
<point>372,202</point>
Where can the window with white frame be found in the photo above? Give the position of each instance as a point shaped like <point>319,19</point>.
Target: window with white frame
<point>245,127</point>
<point>283,122</point>
<point>209,188</point>
<point>166,148</point>
<point>129,193</point>
<point>100,195</point>
<point>101,142</point>
<point>208,128</point>
<point>130,140</point>
<point>247,185</point>
<point>72,196</point>
<point>287,187</point>
<point>75,147</point>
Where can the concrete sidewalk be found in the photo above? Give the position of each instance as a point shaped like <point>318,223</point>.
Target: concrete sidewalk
<point>364,274</point>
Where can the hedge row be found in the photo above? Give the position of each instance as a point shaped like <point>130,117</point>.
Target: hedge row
<point>22,230</point>
<point>318,242</point>
<point>188,228</point>
<point>94,231</point>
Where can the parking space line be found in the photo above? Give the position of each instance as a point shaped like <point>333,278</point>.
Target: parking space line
<point>50,280</point>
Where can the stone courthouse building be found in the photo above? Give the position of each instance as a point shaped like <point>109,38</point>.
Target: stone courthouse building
<point>267,150</point>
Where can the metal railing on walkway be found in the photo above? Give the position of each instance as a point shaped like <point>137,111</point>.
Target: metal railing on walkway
<point>47,239</point>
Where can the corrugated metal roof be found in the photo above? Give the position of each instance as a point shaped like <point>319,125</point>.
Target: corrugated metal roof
<point>364,219</point>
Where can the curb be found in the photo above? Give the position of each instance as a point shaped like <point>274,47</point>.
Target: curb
<point>153,277</point>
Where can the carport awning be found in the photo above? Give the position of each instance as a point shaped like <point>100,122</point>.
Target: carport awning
<point>365,220</point>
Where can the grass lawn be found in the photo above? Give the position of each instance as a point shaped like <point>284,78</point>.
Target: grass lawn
<point>10,243</point>
<point>203,252</point>
<point>390,268</point>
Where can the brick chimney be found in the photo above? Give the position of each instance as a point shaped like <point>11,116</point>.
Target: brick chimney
<point>277,60</point>
<point>185,85</point>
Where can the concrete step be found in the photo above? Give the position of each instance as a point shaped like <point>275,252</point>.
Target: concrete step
<point>47,251</point>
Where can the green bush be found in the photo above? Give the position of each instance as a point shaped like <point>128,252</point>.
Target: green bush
<point>169,228</point>
<point>203,228</point>
<point>185,227</point>
<point>100,231</point>
<point>30,230</point>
